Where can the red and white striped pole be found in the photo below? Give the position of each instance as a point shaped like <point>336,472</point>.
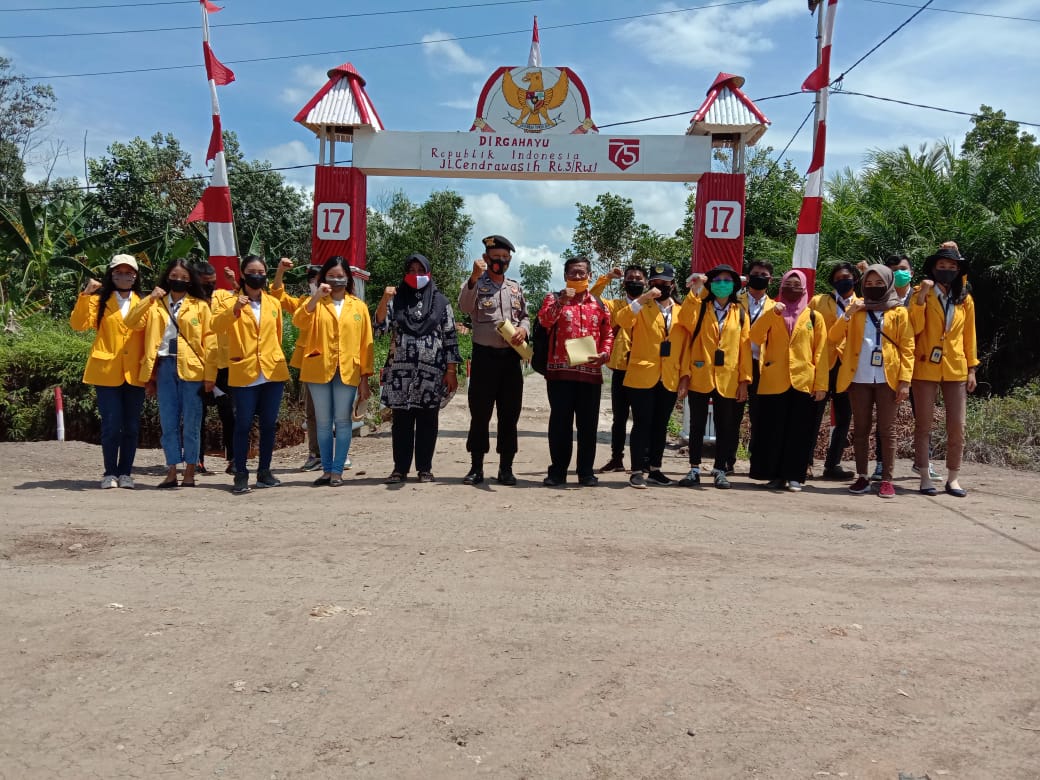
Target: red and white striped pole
<point>59,412</point>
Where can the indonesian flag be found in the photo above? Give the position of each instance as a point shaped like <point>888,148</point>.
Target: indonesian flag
<point>534,59</point>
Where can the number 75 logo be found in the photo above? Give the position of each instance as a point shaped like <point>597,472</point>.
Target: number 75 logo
<point>332,221</point>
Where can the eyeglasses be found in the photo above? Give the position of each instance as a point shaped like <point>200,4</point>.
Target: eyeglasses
<point>573,273</point>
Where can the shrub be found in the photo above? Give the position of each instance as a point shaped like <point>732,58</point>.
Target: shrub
<point>1005,431</point>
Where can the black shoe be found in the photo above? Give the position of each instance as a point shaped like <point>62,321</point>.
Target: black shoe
<point>958,492</point>
<point>655,477</point>
<point>230,469</point>
<point>590,481</point>
<point>614,464</point>
<point>549,482</point>
<point>720,480</point>
<point>693,477</point>
<point>837,472</point>
<point>265,479</point>
<point>775,484</point>
<point>322,482</point>
<point>241,483</point>
<point>506,477</point>
<point>638,480</point>
<point>475,477</point>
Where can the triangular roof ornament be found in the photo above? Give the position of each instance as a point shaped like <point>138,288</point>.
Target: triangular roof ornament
<point>340,107</point>
<point>727,113</point>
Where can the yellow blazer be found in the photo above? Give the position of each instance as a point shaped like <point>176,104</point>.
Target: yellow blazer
<point>959,350</point>
<point>115,356</point>
<point>342,343</point>
<point>898,358</point>
<point>797,360</point>
<point>195,334</point>
<point>253,347</point>
<point>220,300</point>
<point>290,303</point>
<point>700,366</point>
<point>827,306</point>
<point>646,367</point>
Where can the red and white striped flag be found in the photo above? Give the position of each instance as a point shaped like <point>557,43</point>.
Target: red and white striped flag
<point>807,242</point>
<point>534,59</point>
<point>215,204</point>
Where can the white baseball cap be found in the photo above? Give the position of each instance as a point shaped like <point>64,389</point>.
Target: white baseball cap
<point>129,260</point>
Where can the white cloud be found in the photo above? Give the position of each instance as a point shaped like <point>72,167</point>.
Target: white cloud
<point>492,215</point>
<point>306,80</point>
<point>449,56</point>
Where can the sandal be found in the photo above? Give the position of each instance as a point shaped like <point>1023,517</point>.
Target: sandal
<point>395,478</point>
<point>170,483</point>
<point>335,481</point>
<point>188,484</point>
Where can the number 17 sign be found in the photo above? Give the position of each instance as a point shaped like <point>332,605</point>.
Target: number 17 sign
<point>333,221</point>
<point>724,218</point>
<point>719,219</point>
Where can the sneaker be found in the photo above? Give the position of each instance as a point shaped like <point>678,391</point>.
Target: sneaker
<point>614,464</point>
<point>878,473</point>
<point>720,479</point>
<point>551,482</point>
<point>775,484</point>
<point>348,463</point>
<point>860,486</point>
<point>794,486</point>
<point>932,474</point>
<point>506,477</point>
<point>241,483</point>
<point>590,481</point>
<point>230,469</point>
<point>693,477</point>
<point>638,480</point>
<point>265,479</point>
<point>837,472</point>
<point>109,481</point>
<point>655,477</point>
<point>311,464</point>
<point>126,481</point>
<point>887,489</point>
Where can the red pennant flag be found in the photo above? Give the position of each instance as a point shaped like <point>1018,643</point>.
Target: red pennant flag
<point>213,206</point>
<point>210,7</point>
<point>216,140</point>
<point>220,73</point>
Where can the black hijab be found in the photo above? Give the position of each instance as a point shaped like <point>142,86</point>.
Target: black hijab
<point>419,312</point>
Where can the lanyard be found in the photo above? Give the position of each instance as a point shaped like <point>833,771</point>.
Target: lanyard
<point>948,309</point>
<point>721,316</point>
<point>840,301</point>
<point>877,327</point>
<point>667,315</point>
<point>759,306</point>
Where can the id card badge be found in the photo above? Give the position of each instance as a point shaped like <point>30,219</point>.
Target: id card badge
<point>936,355</point>
<point>666,348</point>
<point>720,357</point>
<point>875,358</point>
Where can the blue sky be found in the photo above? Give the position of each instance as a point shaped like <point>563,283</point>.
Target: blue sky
<point>636,68</point>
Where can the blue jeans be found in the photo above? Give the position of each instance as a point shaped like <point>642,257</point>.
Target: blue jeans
<point>120,409</point>
<point>333,404</point>
<point>262,401</point>
<point>180,412</point>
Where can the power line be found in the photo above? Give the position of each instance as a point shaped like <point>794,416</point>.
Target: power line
<point>776,160</point>
<point>195,27</point>
<point>922,105</point>
<point>525,31</point>
<point>690,111</point>
<point>881,43</point>
<point>952,11</point>
<point>93,7</point>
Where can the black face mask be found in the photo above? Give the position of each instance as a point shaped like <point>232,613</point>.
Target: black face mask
<point>498,267</point>
<point>844,286</point>
<point>178,285</point>
<point>758,282</point>
<point>944,276</point>
<point>208,289</point>
<point>874,293</point>
<point>634,289</point>
<point>255,281</point>
<point>666,291</point>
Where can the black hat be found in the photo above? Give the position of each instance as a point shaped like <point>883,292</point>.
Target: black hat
<point>721,269</point>
<point>946,253</point>
<point>498,242</point>
<point>662,271</point>
<point>421,258</point>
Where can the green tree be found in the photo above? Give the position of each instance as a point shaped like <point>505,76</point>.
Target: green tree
<point>605,232</point>
<point>24,109</point>
<point>535,279</point>
<point>773,199</point>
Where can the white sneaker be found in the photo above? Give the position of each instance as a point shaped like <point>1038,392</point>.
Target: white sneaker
<point>109,482</point>
<point>126,481</point>
<point>347,464</point>
<point>794,486</point>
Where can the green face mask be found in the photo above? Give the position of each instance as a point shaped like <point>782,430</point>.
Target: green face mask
<point>901,277</point>
<point>722,290</point>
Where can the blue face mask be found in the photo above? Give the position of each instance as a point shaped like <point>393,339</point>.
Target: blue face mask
<point>721,290</point>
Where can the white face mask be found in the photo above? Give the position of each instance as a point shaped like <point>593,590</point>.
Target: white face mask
<point>421,281</point>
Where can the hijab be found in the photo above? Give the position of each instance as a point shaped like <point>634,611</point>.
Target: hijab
<point>793,310</point>
<point>891,298</point>
<point>418,312</point>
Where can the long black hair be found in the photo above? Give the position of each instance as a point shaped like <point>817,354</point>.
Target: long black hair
<point>194,286</point>
<point>336,262</point>
<point>107,288</point>
<point>242,269</point>
<point>958,292</point>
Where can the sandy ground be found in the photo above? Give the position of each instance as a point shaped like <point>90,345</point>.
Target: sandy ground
<point>447,631</point>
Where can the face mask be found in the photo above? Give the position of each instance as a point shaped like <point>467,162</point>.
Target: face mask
<point>791,295</point>
<point>874,293</point>
<point>255,281</point>
<point>944,277</point>
<point>844,286</point>
<point>666,291</point>
<point>337,284</point>
<point>901,277</point>
<point>721,289</point>
<point>123,281</point>
<point>417,281</point>
<point>758,282</point>
<point>634,289</point>
<point>178,285</point>
<point>498,267</point>
<point>208,288</point>
<point>578,285</point>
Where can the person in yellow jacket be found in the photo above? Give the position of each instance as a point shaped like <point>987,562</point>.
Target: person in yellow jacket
<point>876,340</point>
<point>756,302</point>
<point>717,368</point>
<point>843,279</point>
<point>633,280</point>
<point>793,378</point>
<point>256,369</point>
<point>220,397</point>
<point>178,354</point>
<point>337,362</point>
<point>946,356</point>
<point>652,376</point>
<point>114,364</point>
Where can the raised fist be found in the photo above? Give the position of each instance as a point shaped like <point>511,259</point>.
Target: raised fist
<point>479,267</point>
<point>93,285</point>
<point>568,294</point>
<point>616,273</point>
<point>285,263</point>
<point>242,302</point>
<point>324,290</point>
<point>158,293</point>
<point>229,274</point>
<point>778,308</point>
<point>389,292</point>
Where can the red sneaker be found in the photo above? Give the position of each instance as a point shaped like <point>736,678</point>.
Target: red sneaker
<point>861,485</point>
<point>887,489</point>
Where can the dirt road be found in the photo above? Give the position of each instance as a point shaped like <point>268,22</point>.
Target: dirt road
<point>427,631</point>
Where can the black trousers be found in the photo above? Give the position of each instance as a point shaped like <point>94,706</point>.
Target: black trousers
<point>842,422</point>
<point>728,414</point>
<point>620,405</point>
<point>572,406</point>
<point>652,408</point>
<point>496,380</point>
<point>782,442</point>
<point>414,431</point>
<point>752,406</point>
<point>226,413</point>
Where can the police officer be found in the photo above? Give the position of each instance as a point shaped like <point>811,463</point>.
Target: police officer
<point>496,376</point>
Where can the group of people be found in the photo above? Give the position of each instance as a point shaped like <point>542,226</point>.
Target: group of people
<point>726,347</point>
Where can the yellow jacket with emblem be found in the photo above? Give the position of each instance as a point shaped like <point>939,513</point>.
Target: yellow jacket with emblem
<point>798,359</point>
<point>646,367</point>
<point>290,304</point>
<point>826,305</point>
<point>336,343</point>
<point>253,346</point>
<point>196,341</point>
<point>958,345</point>
<point>115,356</point>
<point>220,300</point>
<point>897,345</point>
<point>622,336</point>
<point>733,339</point>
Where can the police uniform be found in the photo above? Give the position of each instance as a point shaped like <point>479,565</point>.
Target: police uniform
<point>496,377</point>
